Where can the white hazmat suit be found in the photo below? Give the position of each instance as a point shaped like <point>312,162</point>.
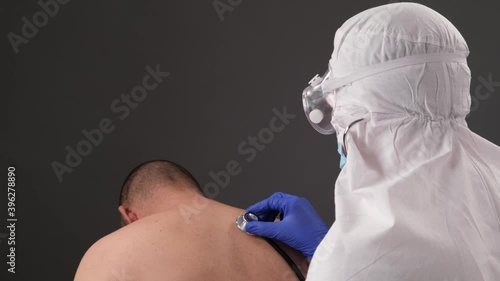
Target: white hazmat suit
<point>419,197</point>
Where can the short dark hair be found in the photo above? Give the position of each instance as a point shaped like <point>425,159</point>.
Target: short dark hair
<point>144,178</point>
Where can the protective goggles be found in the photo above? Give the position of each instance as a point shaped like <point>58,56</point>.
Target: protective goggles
<point>318,97</point>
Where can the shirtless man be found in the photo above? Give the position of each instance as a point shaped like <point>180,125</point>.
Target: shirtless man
<point>173,232</point>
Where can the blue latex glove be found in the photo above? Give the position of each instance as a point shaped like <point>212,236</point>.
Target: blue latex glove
<point>301,227</point>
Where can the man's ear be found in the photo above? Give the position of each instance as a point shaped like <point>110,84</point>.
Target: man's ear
<point>127,216</point>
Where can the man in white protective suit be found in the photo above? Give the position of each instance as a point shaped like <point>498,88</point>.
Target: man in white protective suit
<point>419,196</point>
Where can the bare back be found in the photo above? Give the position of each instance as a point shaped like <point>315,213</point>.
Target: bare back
<point>202,246</point>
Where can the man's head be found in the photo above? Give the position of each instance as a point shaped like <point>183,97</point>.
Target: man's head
<point>397,59</point>
<point>154,186</point>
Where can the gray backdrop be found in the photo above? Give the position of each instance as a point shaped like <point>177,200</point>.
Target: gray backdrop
<point>227,73</point>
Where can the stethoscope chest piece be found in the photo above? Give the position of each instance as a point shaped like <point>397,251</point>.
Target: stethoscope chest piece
<point>242,220</point>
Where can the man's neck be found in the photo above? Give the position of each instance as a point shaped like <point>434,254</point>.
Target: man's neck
<point>175,200</point>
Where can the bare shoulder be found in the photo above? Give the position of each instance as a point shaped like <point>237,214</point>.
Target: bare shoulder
<point>100,262</point>
<point>121,255</point>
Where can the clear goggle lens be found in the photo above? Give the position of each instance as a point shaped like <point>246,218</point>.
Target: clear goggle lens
<point>318,105</point>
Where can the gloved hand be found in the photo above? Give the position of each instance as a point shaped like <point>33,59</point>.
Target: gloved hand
<point>301,227</point>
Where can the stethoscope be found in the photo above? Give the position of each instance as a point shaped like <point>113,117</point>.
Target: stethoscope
<point>241,222</point>
<point>344,149</point>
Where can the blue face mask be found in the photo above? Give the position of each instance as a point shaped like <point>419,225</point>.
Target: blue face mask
<point>343,158</point>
